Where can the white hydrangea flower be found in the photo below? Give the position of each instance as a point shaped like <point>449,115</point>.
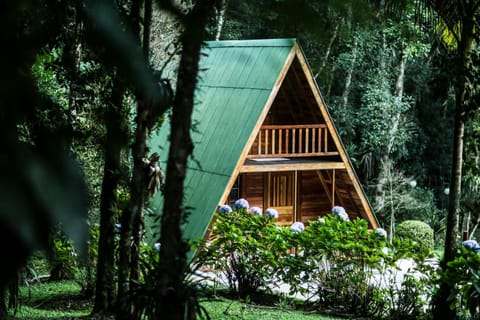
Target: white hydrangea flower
<point>272,213</point>
<point>241,204</point>
<point>256,211</point>
<point>297,227</point>
<point>381,232</point>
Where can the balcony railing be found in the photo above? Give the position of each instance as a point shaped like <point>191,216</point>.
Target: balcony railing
<point>292,141</point>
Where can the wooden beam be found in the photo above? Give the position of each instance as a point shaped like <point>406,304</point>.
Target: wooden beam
<point>292,167</point>
<point>295,198</point>
<point>324,184</point>
<point>333,188</point>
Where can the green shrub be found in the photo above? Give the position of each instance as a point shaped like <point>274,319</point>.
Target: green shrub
<point>416,231</point>
<point>338,265</point>
<point>63,260</point>
<point>336,260</point>
<point>247,248</point>
<point>464,278</point>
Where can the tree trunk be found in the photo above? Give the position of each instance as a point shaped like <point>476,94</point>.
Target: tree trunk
<point>348,80</point>
<point>132,212</point>
<point>114,143</point>
<point>138,221</point>
<point>221,18</point>
<point>136,202</point>
<point>329,48</point>
<point>441,308</point>
<point>173,263</point>
<point>3,305</point>
<point>442,305</point>
<point>399,86</point>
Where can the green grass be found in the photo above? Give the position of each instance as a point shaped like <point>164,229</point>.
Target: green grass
<point>233,309</point>
<point>52,300</point>
<point>62,300</point>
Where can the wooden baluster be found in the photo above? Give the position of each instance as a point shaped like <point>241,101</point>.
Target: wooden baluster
<point>325,146</point>
<point>280,132</point>
<point>287,151</point>
<point>266,141</point>
<point>294,139</point>
<point>320,139</point>
<point>307,131</point>
<point>273,141</point>
<point>300,136</point>
<point>314,133</point>
<point>259,152</point>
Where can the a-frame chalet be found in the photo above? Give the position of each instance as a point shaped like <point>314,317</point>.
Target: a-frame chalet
<point>262,132</point>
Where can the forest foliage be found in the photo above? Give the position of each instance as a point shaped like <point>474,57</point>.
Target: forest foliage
<point>84,84</point>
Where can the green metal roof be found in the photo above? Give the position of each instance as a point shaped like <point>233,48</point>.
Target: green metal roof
<point>236,81</point>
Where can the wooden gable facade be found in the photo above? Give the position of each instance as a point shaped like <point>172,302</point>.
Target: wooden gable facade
<point>263,133</point>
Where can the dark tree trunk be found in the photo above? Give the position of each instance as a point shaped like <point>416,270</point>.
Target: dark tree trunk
<point>138,221</point>
<point>173,263</point>
<point>132,212</point>
<point>3,306</point>
<point>115,142</point>
<point>135,205</point>
<point>441,306</point>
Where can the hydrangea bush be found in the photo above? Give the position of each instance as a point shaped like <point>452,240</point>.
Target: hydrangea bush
<point>246,246</point>
<point>329,261</point>
<point>463,275</point>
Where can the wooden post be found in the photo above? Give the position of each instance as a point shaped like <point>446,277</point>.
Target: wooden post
<point>295,177</point>
<point>333,188</point>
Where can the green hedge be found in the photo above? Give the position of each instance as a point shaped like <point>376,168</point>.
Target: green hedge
<point>417,231</point>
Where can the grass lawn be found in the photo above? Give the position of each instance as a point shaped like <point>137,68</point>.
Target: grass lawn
<point>53,300</point>
<point>62,300</point>
<point>231,309</point>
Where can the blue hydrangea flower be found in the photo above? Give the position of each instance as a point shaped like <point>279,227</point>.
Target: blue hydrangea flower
<point>241,204</point>
<point>471,245</point>
<point>381,232</point>
<point>157,246</point>
<point>297,227</point>
<point>256,211</point>
<point>225,208</point>
<point>272,213</point>
<point>341,213</point>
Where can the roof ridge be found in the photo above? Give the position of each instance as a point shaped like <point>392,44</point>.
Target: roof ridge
<point>277,42</point>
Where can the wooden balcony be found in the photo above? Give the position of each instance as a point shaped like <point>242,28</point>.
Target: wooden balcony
<point>292,141</point>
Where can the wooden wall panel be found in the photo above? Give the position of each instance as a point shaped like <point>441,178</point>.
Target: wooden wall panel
<point>313,200</point>
<point>252,186</point>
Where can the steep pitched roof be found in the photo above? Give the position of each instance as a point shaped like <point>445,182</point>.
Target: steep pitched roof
<point>237,86</point>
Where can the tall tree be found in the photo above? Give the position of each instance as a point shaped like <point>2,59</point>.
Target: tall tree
<point>116,140</point>
<point>461,20</point>
<point>173,296</point>
<point>114,36</point>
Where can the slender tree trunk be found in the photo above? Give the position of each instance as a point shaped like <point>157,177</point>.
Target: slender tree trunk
<point>147,27</point>
<point>221,18</point>
<point>329,49</point>
<point>115,142</point>
<point>138,221</point>
<point>3,306</point>
<point>442,305</point>
<point>348,79</point>
<point>135,205</point>
<point>173,263</point>
<point>441,309</point>
<point>399,86</point>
